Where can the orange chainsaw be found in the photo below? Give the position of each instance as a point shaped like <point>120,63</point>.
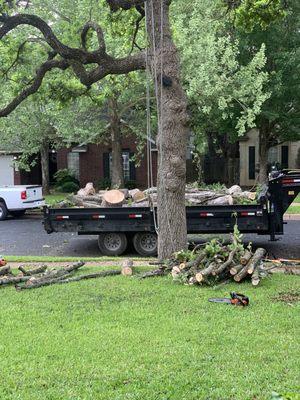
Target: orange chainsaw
<point>236,299</point>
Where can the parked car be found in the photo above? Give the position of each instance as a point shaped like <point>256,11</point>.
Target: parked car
<point>15,200</point>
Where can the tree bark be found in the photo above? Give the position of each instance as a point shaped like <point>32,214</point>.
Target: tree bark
<point>263,153</point>
<point>44,153</point>
<point>117,176</point>
<point>172,132</point>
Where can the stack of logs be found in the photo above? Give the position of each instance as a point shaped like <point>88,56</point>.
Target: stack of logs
<point>89,198</point>
<point>231,263</point>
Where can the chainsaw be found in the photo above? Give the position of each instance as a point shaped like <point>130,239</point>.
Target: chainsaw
<point>236,299</point>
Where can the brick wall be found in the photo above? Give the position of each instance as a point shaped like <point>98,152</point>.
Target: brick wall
<point>91,163</point>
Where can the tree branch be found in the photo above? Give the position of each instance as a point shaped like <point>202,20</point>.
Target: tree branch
<point>95,27</point>
<point>33,88</point>
<point>116,5</point>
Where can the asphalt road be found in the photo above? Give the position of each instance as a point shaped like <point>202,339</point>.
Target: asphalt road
<point>26,236</point>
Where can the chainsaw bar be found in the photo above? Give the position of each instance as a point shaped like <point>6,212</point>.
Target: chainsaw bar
<point>220,300</point>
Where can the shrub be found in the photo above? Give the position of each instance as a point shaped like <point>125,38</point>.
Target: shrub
<point>104,183</point>
<point>130,184</point>
<point>68,187</point>
<point>63,176</point>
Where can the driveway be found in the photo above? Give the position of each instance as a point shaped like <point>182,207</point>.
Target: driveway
<point>26,236</point>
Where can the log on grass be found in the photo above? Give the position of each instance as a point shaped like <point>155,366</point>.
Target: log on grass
<point>113,198</point>
<point>156,272</point>
<point>242,274</point>
<point>255,278</point>
<point>200,276</point>
<point>127,267</point>
<point>236,269</point>
<point>5,270</point>
<point>245,257</point>
<point>226,264</point>
<point>52,281</point>
<point>7,280</point>
<point>35,271</point>
<point>255,260</point>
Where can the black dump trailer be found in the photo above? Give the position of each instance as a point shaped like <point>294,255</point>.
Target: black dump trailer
<point>116,227</point>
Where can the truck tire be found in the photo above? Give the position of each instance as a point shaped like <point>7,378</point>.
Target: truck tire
<point>112,243</point>
<point>145,243</point>
<point>3,211</point>
<point>18,214</point>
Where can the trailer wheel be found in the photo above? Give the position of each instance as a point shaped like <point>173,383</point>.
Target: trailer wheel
<point>112,244</point>
<point>145,243</point>
<point>3,211</point>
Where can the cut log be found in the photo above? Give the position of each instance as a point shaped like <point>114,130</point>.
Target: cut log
<point>242,274</point>
<point>255,260</point>
<point>5,270</point>
<point>194,263</point>
<point>236,269</point>
<point>113,198</point>
<point>221,201</point>
<point>36,284</point>
<point>235,189</point>
<point>175,272</point>
<point>88,190</point>
<point>127,271</point>
<point>35,271</point>
<point>255,278</point>
<point>226,264</point>
<point>127,267</point>
<point>200,276</point>
<point>139,196</point>
<point>245,257</point>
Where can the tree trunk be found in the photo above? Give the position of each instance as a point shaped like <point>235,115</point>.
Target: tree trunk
<point>117,177</point>
<point>172,131</point>
<point>263,154</point>
<point>44,153</point>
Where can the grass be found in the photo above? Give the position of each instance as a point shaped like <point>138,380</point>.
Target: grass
<point>49,259</point>
<point>293,210</point>
<point>119,338</point>
<point>55,197</point>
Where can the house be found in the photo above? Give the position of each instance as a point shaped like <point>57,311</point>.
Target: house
<point>91,163</point>
<point>10,174</point>
<point>285,155</point>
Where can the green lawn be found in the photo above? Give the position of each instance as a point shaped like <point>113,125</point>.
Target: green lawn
<point>120,338</point>
<point>55,197</point>
<point>293,210</point>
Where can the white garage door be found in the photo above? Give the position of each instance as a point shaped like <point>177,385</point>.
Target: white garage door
<point>6,170</point>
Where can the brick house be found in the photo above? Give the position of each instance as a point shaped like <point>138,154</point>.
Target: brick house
<point>91,163</point>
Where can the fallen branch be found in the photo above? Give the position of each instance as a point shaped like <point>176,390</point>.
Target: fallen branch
<point>35,271</point>
<point>58,280</point>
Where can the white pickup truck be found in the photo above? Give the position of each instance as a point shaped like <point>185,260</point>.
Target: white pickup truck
<point>15,200</point>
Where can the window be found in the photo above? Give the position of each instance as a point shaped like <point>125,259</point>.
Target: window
<point>251,160</point>
<point>127,164</point>
<point>73,164</point>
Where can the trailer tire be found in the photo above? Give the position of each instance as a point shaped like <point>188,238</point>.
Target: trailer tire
<point>145,243</point>
<point>112,243</point>
<point>3,211</point>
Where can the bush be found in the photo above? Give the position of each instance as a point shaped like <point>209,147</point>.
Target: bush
<point>103,184</point>
<point>63,176</point>
<point>68,187</point>
<point>130,184</point>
